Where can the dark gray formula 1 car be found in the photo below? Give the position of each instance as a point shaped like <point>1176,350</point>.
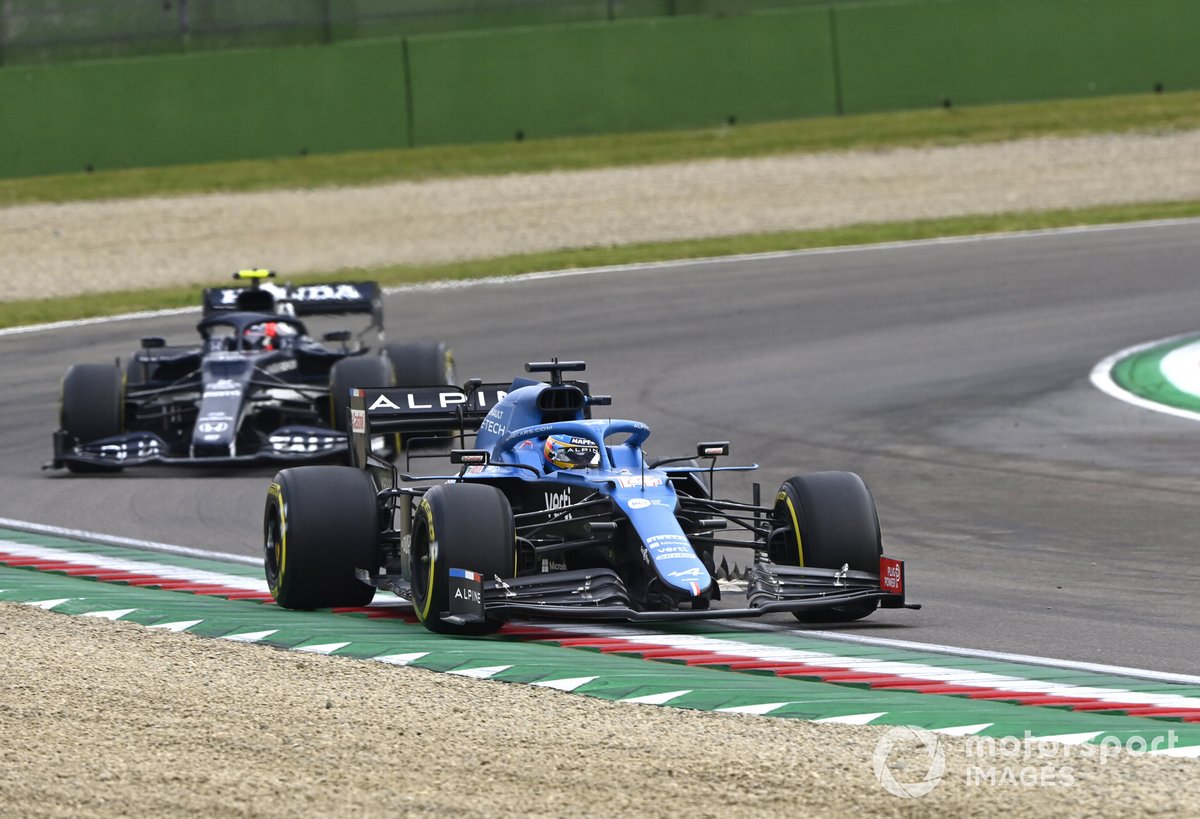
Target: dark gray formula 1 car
<point>257,387</point>
<point>557,514</point>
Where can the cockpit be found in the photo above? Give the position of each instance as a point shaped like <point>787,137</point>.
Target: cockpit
<point>249,333</point>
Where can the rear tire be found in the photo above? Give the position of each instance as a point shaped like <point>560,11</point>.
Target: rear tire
<point>838,526</point>
<point>93,407</point>
<point>472,527</point>
<point>320,524</point>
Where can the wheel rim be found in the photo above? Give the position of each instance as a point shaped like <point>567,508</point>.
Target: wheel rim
<point>420,565</point>
<point>787,554</point>
<point>273,546</point>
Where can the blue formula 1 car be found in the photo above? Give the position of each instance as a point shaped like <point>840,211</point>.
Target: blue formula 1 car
<point>256,387</point>
<point>554,513</point>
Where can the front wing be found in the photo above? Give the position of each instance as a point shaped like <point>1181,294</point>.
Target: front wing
<point>290,444</point>
<point>599,594</point>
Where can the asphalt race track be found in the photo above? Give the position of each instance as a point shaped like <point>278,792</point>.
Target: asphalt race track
<point>1036,514</point>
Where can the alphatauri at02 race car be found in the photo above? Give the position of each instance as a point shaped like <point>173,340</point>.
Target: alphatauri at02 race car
<point>256,388</point>
<point>557,514</point>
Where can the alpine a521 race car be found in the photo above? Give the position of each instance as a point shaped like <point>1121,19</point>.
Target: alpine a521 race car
<point>556,514</point>
<point>256,388</point>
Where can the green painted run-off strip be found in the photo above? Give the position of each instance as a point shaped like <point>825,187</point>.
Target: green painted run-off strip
<point>1141,373</point>
<point>606,675</point>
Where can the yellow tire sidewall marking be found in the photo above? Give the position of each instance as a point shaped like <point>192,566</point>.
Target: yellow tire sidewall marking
<point>275,491</point>
<point>427,510</point>
<point>787,498</point>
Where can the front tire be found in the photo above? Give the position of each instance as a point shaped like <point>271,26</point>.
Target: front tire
<point>459,526</point>
<point>359,372</point>
<point>837,524</point>
<point>421,364</point>
<point>93,407</point>
<point>321,523</point>
<point>136,373</point>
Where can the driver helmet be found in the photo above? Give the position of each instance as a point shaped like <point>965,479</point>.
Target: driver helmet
<point>570,452</point>
<point>261,336</point>
<point>266,335</point>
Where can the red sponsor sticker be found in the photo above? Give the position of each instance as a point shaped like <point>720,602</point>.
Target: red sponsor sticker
<point>891,575</point>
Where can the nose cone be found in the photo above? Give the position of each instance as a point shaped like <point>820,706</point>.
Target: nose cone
<point>665,548</point>
<point>212,437</point>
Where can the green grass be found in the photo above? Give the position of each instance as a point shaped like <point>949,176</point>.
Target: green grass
<point>1144,113</point>
<point>874,131</point>
<point>43,310</point>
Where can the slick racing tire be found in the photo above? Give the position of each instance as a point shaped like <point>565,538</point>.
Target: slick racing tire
<point>421,364</point>
<point>349,373</point>
<point>135,373</point>
<point>838,525</point>
<point>697,483</point>
<point>459,526</point>
<point>93,407</point>
<point>321,524</point>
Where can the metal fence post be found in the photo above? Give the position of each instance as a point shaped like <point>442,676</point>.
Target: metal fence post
<point>185,25</point>
<point>5,9</point>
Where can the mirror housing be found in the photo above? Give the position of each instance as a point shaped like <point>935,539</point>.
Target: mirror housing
<point>712,449</point>
<point>470,457</point>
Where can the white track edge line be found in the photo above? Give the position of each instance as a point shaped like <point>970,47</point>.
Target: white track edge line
<point>1101,378</point>
<point>115,540</point>
<point>706,260</point>
<point>60,325</point>
<point>1050,662</point>
<point>1004,656</point>
<point>909,667</point>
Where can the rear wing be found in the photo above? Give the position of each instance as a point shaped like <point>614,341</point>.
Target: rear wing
<point>418,410</point>
<point>335,298</point>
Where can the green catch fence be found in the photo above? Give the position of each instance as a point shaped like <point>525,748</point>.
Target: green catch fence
<point>654,72</point>
<point>40,31</point>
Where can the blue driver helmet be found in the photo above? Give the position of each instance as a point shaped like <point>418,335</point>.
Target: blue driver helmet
<point>569,452</point>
